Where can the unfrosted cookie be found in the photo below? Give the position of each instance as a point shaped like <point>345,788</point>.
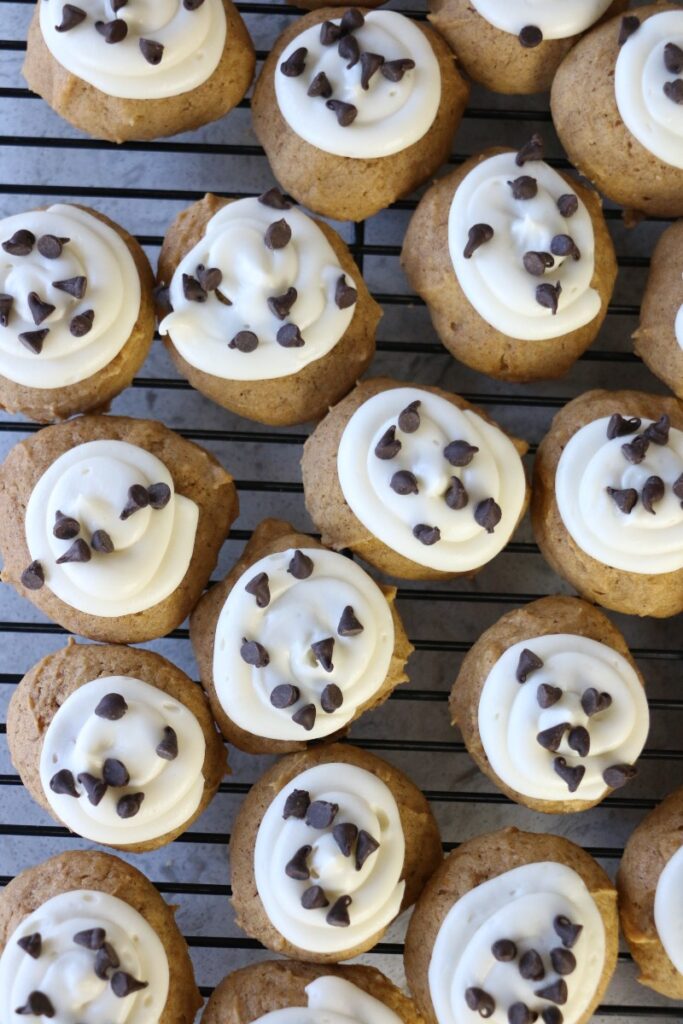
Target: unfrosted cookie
<point>116,743</point>
<point>552,706</point>
<point>515,263</point>
<point>111,526</point>
<point>76,311</point>
<point>617,105</point>
<point>650,884</point>
<point>516,47</point>
<point>659,338</point>
<point>295,643</point>
<point>415,480</point>
<point>84,935</point>
<point>278,334</point>
<point>356,109</point>
<point>329,846</point>
<point>515,927</point>
<point>607,500</point>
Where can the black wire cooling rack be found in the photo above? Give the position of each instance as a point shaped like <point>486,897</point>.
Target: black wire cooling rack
<point>143,185</point>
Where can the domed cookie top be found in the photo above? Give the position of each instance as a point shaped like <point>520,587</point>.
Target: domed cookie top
<point>331,999</point>
<point>536,20</point>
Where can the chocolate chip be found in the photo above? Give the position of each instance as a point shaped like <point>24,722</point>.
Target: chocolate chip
<point>113,31</point>
<point>519,1013</point>
<point>124,984</point>
<point>617,775</point>
<point>567,931</point>
<point>78,552</point>
<point>275,199</point>
<point>658,432</point>
<point>320,86</point>
<point>345,113</point>
<point>530,36</point>
<point>571,775</point>
<point>254,653</point>
<point>344,294</point>
<point>404,482</point>
<point>20,244</point>
<point>33,340</point>
<point>33,576</point>
<point>674,90</point>
<point>31,944</point>
<point>112,707</point>
<point>116,5</point>
<point>677,486</point>
<point>244,341</point>
<point>548,296</point>
<point>322,652</point>
<point>314,898</point>
<point>620,427</point>
<point>280,305</point>
<point>295,63</point>
<point>297,867</point>
<point>81,324</point>
<point>95,789</point>
<point>370,63</point>
<point>480,1002</point>
<point>427,535</point>
<point>564,245</point>
<point>190,5</point>
<point>488,514</point>
<point>579,740</point>
<point>524,187</point>
<point>365,847</point>
<point>551,1015</point>
<point>536,263</point>
<point>629,24</point>
<point>460,453</point>
<point>531,150</point>
<point>349,50</point>
<point>300,566</point>
<point>504,950</point>
<point>65,527</point>
<point>192,289</point>
<point>106,959</point>
<point>6,303</point>
<point>562,960</point>
<point>345,835</point>
<point>625,500</point>
<point>394,70</point>
<point>548,695</point>
<point>138,498</point>
<point>351,20</point>
<point>210,278</point>
<point>321,814</point>
<point>305,717</point>
<point>673,58</point>
<point>409,418</point>
<point>159,495</point>
<point>284,695</point>
<point>531,966</point>
<point>151,51</point>
<point>338,914</point>
<point>388,446</point>
<point>593,702</point>
<point>62,782</point>
<point>331,699</point>
<point>258,587</point>
<point>477,235</point>
<point>50,246</point>
<point>289,336</point>
<point>278,235</point>
<point>74,286</point>
<point>330,33</point>
<point>37,1005</point>
<point>456,497</point>
<point>296,804</point>
<point>115,773</point>
<point>652,492</point>
<point>348,623</point>
<point>551,738</point>
<point>568,204</point>
<point>91,938</point>
<point>528,663</point>
<point>71,16</point>
<point>129,805</point>
<point>556,992</point>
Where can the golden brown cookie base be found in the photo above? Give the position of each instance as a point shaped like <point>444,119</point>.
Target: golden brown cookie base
<point>655,340</point>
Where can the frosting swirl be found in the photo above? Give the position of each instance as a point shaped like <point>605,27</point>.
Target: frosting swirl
<point>109,534</point>
<point>577,714</point>
<point>112,741</point>
<point>333,1000</point>
<point>261,258</point>
<point>328,858</point>
<point>669,909</point>
<point>602,485</point>
<point>648,86</point>
<point>84,956</point>
<point>534,244</point>
<point>678,326</point>
<point>445,490</point>
<point>327,634</point>
<point>359,87</point>
<point>557,20</point>
<point>138,50</point>
<point>69,296</point>
<point>531,936</point>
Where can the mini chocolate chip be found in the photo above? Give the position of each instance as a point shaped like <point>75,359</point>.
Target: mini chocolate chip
<point>551,1015</point>
<point>95,789</point>
<point>548,695</point>
<point>209,278</point>
<point>112,707</point>
<point>300,566</point>
<point>305,717</point>
<point>548,296</point>
<point>617,775</point>
<point>20,244</point>
<point>625,499</point>
<point>322,652</point>
<point>658,432</point>
<point>426,534</point>
<point>192,289</point>
<point>531,966</point>
<point>519,1013</point>
<point>673,58</point>
<point>551,738</point>
<point>138,498</point>
<point>116,5</point>
<point>280,305</point>
<point>295,63</point>
<point>488,514</point>
<point>628,25</point>
<point>479,1001</point>
<point>314,898</point>
<point>254,653</point>
<point>652,492</point>
<point>579,740</point>
<point>113,31</point>
<point>456,497</point>
<point>115,773</point>
<point>567,931</point>
<point>151,50</point>
<point>404,482</point>
<point>345,113</point>
<point>331,699</point>
<point>6,303</point>
<point>124,984</point>
<point>78,552</point>
<point>65,527</point>
<point>504,950</point>
<point>33,340</point>
<point>244,341</point>
<point>320,86</point>
<point>297,867</point>
<point>296,804</point>
<point>477,235</point>
<point>674,90</point>
<point>460,453</point>
<point>275,199</point>
<point>284,695</point>
<point>37,1005</point>
<point>71,16</point>
<point>289,336</point>
<point>31,944</point>
<point>129,805</point>
<point>81,324</point>
<point>159,495</point>
<point>388,445</point>
<point>524,187</point>
<point>278,234</point>
<point>338,914</point>
<point>349,50</point>
<point>190,5</point>
<point>50,246</point>
<point>409,418</point>
<point>677,486</point>
<point>568,204</point>
<point>344,294</point>
<point>330,33</point>
<point>258,587</point>
<point>593,702</point>
<point>321,814</point>
<point>530,36</point>
<point>106,959</point>
<point>536,263</point>
<point>562,960</point>
<point>33,576</point>
<point>531,150</point>
<point>348,623</point>
<point>365,847</point>
<point>564,245</point>
<point>351,20</point>
<point>74,286</point>
<point>62,782</point>
<point>370,63</point>
<point>571,775</point>
<point>620,427</point>
<point>557,991</point>
<point>528,663</point>
<point>394,70</point>
<point>345,835</point>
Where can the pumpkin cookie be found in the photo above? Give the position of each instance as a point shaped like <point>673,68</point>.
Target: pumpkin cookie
<point>659,338</point>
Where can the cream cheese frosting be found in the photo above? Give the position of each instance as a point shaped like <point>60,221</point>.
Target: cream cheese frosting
<point>138,49</point>
<point>326,638</point>
<point>557,19</point>
<point>69,296</point>
<point>539,236</point>
<point>669,909</point>
<point>278,272</point>
<point>328,858</point>
<point>110,535</point>
<point>83,956</point>
<point>446,489</point>
<point>360,87</point>
<point>678,326</point>
<point>531,937</point>
<point>333,1000</point>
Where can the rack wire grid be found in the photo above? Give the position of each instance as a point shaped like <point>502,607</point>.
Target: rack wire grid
<point>143,185</point>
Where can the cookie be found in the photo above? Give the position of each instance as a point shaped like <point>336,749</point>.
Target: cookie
<point>84,933</point>
<point>650,881</point>
<point>394,473</point>
<point>282,332</point>
<point>496,45</point>
<point>356,109</point>
<point>76,311</point>
<point>355,992</point>
<point>111,526</point>
<point>143,73</point>
<point>295,643</point>
<point>515,924</point>
<point>607,501</point>
<point>515,263</point>
<point>551,705</point>
<point>329,846</point>
<point>115,743</point>
<point>659,338</point>
<point>616,105</point>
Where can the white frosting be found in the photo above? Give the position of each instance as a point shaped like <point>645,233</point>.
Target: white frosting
<point>79,741</point>
<point>496,472</point>
<point>333,1000</point>
<point>678,326</point>
<point>669,909</point>
<point>640,75</point>
<point>301,612</point>
<point>494,278</point>
<point>376,889</point>
<point>557,19</point>
<point>639,542</point>
<point>519,905</point>
<point>193,42</point>
<point>233,242</point>
<point>64,971</point>
<point>391,115</point>
<point>152,548</point>
<point>94,251</point>
<point>510,716</point>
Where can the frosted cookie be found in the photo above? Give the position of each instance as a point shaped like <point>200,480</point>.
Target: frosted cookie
<point>513,927</point>
<point>115,743</point>
<point>131,69</point>
<point>295,643</point>
<point>76,311</point>
<point>617,105</point>
<point>552,706</point>
<point>287,992</point>
<point>659,338</point>
<point>415,480</point>
<point>84,936</point>
<point>607,501</point>
<point>357,109</point>
<point>650,884</point>
<point>111,526</point>
<point>329,846</point>
<point>269,315</point>
<point>515,263</point>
